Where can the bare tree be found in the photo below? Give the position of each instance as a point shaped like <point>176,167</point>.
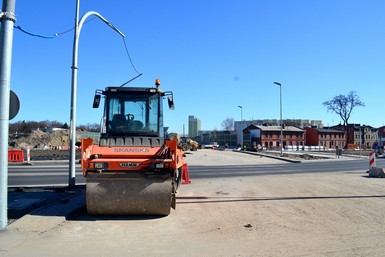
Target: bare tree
<point>228,124</point>
<point>28,126</point>
<point>92,127</point>
<point>343,105</point>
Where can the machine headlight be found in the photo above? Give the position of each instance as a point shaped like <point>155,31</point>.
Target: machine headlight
<point>99,165</point>
<point>159,165</point>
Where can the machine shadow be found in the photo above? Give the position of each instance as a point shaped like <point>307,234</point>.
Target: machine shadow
<point>82,215</point>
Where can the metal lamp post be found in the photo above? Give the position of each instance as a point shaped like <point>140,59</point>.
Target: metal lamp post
<point>78,27</point>
<point>361,127</point>
<point>280,107</point>
<point>241,111</point>
<point>359,147</point>
<point>241,130</point>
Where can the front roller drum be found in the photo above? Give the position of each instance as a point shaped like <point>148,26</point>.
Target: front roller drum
<point>150,196</point>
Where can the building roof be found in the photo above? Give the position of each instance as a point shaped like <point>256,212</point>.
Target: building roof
<point>274,128</point>
<point>329,130</point>
<point>357,127</point>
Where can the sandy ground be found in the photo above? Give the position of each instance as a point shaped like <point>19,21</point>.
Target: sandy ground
<point>311,214</point>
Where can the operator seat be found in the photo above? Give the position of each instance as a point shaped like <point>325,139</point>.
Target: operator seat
<point>119,123</point>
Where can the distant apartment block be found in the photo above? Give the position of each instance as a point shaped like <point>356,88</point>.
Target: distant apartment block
<point>194,125</point>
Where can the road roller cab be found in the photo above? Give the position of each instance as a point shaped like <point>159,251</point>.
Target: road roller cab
<point>134,169</point>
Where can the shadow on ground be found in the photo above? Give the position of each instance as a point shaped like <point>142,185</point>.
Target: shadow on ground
<point>36,201</point>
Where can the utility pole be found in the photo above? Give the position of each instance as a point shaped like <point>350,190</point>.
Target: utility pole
<point>241,132</point>
<point>241,111</point>
<point>7,17</point>
<point>280,114</point>
<point>74,67</point>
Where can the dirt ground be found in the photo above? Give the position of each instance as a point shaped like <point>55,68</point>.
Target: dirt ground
<point>305,214</point>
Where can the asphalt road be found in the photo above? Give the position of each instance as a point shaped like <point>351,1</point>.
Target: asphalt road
<point>56,174</point>
<point>42,174</point>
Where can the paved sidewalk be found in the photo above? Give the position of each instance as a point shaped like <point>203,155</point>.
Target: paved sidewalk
<point>44,201</point>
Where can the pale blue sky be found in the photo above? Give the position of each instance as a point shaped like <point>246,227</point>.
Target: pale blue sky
<point>214,55</point>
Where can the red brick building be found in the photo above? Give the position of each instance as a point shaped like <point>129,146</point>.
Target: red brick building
<point>358,134</point>
<point>381,135</point>
<point>326,137</point>
<point>269,136</point>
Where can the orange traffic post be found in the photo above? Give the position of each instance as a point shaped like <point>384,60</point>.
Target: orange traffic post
<point>185,175</point>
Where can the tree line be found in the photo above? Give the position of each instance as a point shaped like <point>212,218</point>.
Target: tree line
<point>26,127</point>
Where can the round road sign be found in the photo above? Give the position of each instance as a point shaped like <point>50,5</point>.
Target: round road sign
<point>14,105</point>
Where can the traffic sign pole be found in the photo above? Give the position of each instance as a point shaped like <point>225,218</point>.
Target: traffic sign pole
<point>7,17</point>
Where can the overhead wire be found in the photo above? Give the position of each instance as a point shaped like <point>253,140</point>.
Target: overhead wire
<point>68,30</point>
<point>129,57</point>
<point>48,37</point>
<point>35,35</point>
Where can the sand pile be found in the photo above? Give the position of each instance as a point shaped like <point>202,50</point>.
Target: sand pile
<point>45,140</point>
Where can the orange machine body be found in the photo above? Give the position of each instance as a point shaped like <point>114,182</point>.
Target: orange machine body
<point>131,158</point>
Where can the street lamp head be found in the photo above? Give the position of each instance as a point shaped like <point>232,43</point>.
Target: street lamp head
<point>277,83</point>
<point>240,106</point>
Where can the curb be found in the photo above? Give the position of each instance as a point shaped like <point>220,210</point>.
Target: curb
<point>41,162</point>
<point>270,156</point>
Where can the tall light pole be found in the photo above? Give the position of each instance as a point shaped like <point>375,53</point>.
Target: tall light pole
<point>360,140</point>
<point>241,111</point>
<point>78,27</point>
<point>280,111</point>
<point>361,127</point>
<point>241,128</point>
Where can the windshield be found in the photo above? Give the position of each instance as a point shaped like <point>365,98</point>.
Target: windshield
<point>134,113</point>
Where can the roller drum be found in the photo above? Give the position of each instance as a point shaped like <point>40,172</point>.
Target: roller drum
<point>120,196</point>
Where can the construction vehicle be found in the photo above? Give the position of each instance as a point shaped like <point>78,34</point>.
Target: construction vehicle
<point>194,145</point>
<point>134,169</point>
<point>188,144</point>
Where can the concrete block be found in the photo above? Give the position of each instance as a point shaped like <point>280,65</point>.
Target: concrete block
<point>376,172</point>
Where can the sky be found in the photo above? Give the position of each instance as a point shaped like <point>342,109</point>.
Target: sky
<point>214,55</point>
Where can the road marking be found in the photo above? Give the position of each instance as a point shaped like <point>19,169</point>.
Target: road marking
<point>41,174</point>
<point>45,185</point>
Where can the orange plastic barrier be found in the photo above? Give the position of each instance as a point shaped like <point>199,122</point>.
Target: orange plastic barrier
<point>15,156</point>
